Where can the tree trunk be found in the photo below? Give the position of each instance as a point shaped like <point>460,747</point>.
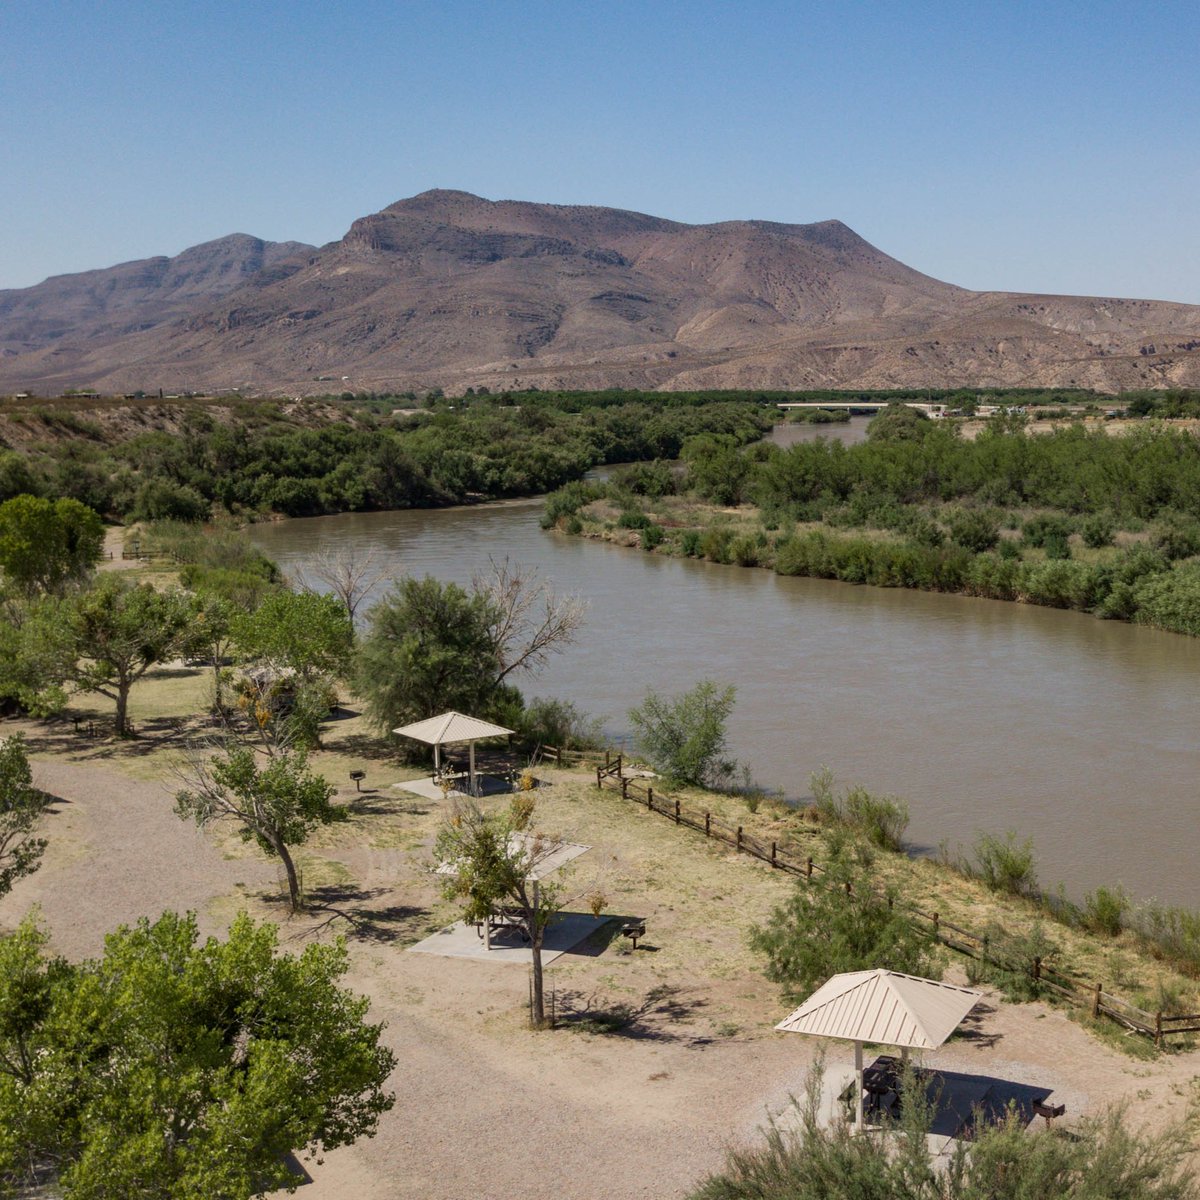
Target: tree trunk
<point>293,879</point>
<point>121,721</point>
<point>538,1015</point>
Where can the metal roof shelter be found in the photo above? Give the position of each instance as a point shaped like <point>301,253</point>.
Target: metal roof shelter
<point>882,1006</point>
<point>451,728</point>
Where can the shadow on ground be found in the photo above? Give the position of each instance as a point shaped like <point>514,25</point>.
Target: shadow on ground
<point>971,1030</point>
<point>365,918</point>
<point>654,1018</point>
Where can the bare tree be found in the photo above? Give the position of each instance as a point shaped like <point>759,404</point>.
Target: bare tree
<point>348,574</point>
<point>530,621</point>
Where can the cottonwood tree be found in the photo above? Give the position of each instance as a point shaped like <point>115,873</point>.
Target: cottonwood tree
<point>47,544</point>
<point>275,801</point>
<point>117,631</point>
<point>431,646</point>
<point>348,574</point>
<point>495,863</point>
<point>428,648</point>
<point>21,805</point>
<point>172,1068</point>
<point>299,631</point>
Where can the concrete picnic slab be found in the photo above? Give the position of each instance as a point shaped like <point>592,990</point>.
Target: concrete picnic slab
<point>489,785</point>
<point>460,940</point>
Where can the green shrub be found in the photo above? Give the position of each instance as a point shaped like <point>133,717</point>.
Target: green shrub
<point>632,520</point>
<point>689,542</point>
<point>1097,531</point>
<point>973,529</point>
<point>652,535</point>
<point>1104,911</point>
<point>822,930</point>
<point>744,551</point>
<point>1177,539</point>
<point>1004,865</point>
<point>1009,960</point>
<point>1035,531</point>
<point>1104,1157</point>
<point>1170,600</point>
<point>714,544</point>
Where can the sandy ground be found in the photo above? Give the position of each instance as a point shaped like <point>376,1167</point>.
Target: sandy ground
<point>484,1107</point>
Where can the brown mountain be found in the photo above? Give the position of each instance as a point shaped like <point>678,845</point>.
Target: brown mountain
<point>451,290</point>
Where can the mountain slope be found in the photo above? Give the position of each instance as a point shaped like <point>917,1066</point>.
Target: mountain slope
<point>451,290</point>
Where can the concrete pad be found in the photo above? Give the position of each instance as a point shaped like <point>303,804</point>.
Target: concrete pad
<point>489,785</point>
<point>563,934</point>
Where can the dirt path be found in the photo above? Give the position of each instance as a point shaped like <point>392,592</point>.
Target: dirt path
<point>118,852</point>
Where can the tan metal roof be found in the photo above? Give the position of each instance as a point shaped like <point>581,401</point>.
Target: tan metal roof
<point>885,1007</point>
<point>451,727</point>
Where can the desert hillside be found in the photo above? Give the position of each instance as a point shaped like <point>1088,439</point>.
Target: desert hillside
<point>448,289</point>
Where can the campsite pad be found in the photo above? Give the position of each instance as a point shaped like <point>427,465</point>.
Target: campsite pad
<point>489,785</point>
<point>564,933</point>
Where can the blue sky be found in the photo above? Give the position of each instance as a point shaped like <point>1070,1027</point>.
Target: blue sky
<point>1046,147</point>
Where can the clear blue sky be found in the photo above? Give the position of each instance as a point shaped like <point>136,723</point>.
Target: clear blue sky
<point>1028,146</point>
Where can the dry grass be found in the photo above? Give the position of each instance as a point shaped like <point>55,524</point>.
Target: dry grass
<point>700,898</point>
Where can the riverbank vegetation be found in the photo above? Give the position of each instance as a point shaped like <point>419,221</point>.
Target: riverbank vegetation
<point>353,460</point>
<point>1074,518</point>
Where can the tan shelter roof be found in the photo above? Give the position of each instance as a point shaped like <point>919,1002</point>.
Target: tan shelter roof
<point>883,1006</point>
<point>451,727</point>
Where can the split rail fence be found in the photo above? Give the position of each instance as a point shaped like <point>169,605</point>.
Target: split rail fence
<point>782,857</point>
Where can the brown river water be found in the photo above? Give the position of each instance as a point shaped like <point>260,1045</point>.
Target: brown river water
<point>983,715</point>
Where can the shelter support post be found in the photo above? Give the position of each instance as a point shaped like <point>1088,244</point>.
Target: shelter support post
<point>858,1089</point>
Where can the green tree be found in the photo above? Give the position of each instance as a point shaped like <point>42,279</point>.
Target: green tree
<point>277,805</point>
<point>496,865</point>
<point>308,633</point>
<point>21,806</point>
<point>46,544</point>
<point>684,736</point>
<point>35,653</point>
<point>429,647</point>
<point>118,631</point>
<point>839,922</point>
<point>173,1070</point>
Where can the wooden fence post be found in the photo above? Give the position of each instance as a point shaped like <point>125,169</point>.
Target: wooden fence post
<point>598,783</point>
<point>773,863</point>
<point>708,824</point>
<point>808,868</point>
<point>739,839</point>
<point>676,812</point>
<point>1096,1001</point>
<point>1158,1028</point>
<point>624,787</point>
<point>649,796</point>
<point>620,766</point>
<point>936,924</point>
<point>606,758</point>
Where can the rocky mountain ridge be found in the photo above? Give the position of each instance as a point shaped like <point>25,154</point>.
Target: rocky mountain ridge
<point>448,289</point>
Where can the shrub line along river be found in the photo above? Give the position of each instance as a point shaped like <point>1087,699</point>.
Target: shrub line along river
<point>984,715</point>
